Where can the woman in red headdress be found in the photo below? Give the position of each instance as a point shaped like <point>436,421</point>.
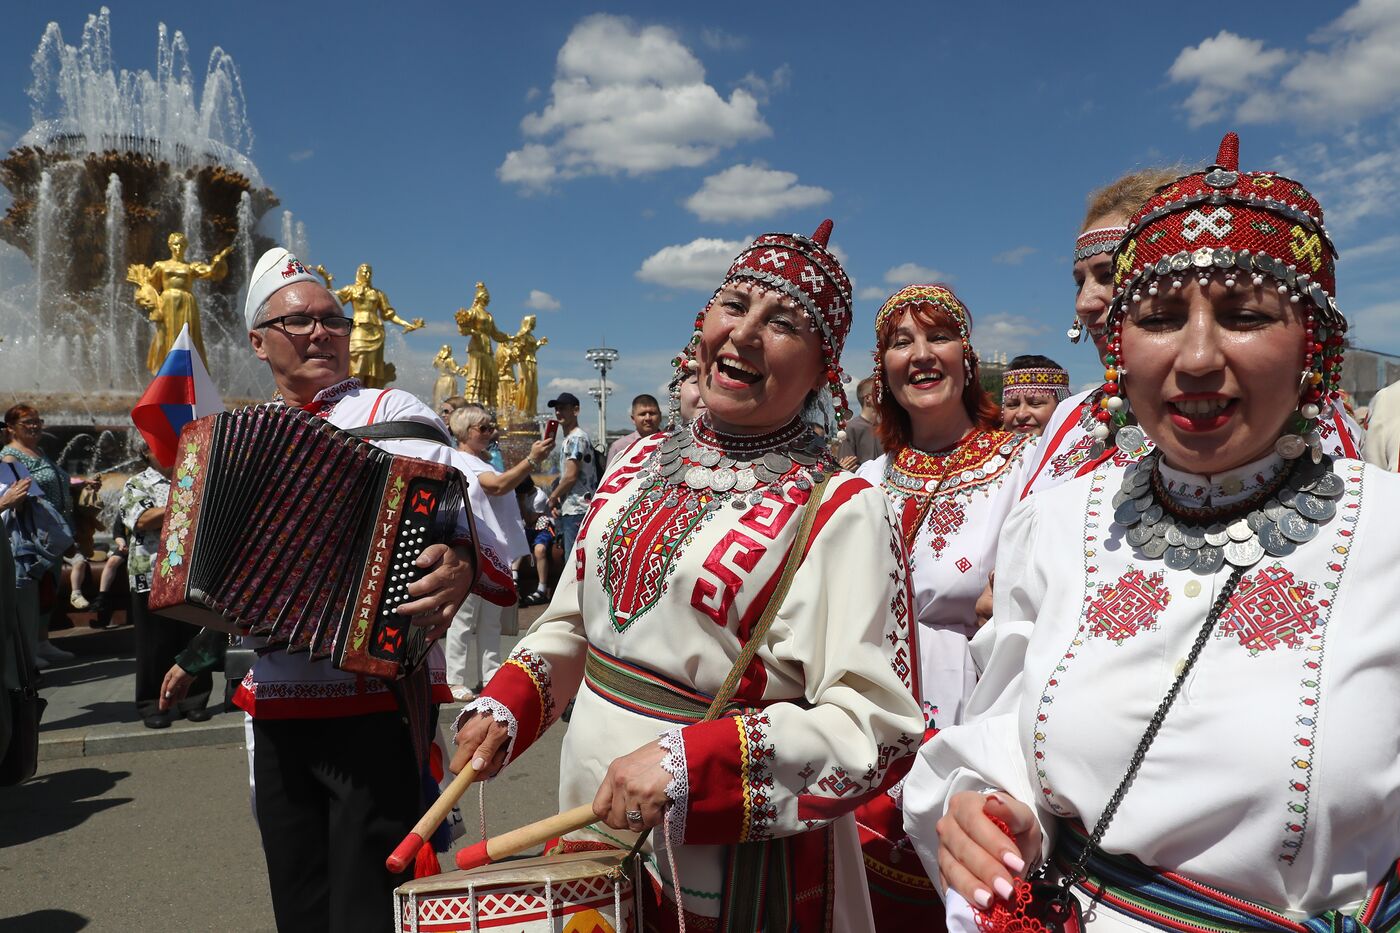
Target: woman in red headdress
<point>953,474</point>
<point>681,555</point>
<point>1202,735</point>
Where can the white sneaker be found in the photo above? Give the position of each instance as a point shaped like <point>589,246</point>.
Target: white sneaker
<point>52,653</point>
<point>78,601</point>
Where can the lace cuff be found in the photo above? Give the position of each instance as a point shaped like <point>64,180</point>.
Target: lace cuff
<point>499,711</point>
<point>678,791</point>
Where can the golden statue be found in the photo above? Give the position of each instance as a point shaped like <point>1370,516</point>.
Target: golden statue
<point>448,371</point>
<point>507,398</point>
<point>164,291</point>
<point>479,371</point>
<point>525,346</point>
<point>372,309</point>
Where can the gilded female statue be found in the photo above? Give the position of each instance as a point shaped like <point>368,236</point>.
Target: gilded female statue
<point>480,328</point>
<point>445,385</point>
<point>372,309</point>
<point>164,290</point>
<point>526,346</point>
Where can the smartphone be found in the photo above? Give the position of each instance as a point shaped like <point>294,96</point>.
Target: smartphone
<point>551,428</point>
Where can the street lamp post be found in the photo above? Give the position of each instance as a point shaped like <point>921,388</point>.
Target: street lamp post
<point>602,359</point>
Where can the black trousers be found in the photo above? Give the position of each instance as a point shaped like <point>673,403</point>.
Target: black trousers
<point>158,641</point>
<point>333,797</point>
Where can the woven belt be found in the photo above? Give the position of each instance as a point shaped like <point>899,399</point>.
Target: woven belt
<point>1169,901</point>
<point>643,691</point>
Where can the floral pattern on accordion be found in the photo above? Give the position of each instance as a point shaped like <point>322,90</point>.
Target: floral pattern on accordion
<point>822,697</point>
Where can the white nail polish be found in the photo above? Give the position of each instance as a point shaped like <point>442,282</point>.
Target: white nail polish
<point>983,898</point>
<point>478,764</point>
<point>1003,888</point>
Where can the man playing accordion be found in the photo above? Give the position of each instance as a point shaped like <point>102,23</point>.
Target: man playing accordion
<point>336,762</point>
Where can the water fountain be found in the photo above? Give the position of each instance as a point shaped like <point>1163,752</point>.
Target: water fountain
<point>115,161</point>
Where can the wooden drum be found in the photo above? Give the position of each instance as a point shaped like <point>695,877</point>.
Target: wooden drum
<point>580,892</point>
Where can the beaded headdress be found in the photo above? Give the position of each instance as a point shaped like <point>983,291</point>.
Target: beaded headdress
<point>1098,240</point>
<point>1227,225</point>
<point>1035,380</point>
<point>803,270</point>
<point>937,295</point>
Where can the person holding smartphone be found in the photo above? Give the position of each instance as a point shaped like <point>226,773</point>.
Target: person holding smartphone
<point>578,472</point>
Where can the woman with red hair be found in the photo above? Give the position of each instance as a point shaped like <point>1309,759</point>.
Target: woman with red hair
<point>953,475</point>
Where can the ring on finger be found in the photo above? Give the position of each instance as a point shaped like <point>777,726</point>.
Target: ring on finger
<point>633,816</point>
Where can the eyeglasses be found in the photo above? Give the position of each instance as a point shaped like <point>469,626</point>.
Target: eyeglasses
<point>32,422</point>
<point>488,428</point>
<point>301,325</point>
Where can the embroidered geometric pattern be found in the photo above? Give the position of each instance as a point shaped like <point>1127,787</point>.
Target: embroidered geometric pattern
<point>756,754</point>
<point>1300,757</point>
<point>520,904</point>
<point>537,669</point>
<point>945,518</point>
<point>641,548</point>
<point>1270,608</point>
<point>1132,605</point>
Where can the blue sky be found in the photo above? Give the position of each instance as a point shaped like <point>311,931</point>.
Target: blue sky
<point>585,154</point>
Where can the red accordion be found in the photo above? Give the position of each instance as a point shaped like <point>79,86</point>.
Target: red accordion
<point>283,526</point>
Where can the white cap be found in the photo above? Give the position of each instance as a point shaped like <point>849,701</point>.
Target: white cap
<point>276,269</point>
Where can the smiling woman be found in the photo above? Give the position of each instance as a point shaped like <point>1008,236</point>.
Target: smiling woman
<point>1200,677</point>
<point>735,532</point>
<point>952,474</point>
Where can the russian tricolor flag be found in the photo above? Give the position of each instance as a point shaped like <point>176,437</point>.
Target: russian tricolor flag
<point>180,392</point>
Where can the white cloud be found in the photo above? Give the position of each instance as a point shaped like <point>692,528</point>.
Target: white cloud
<point>1015,256</point>
<point>872,293</point>
<point>721,41</point>
<point>627,98</point>
<point>569,384</point>
<point>542,301</point>
<point>1011,334</point>
<point>750,192</point>
<point>699,265</point>
<point>1387,246</point>
<point>301,155</point>
<point>763,88</point>
<point>911,273</point>
<point>1351,72</point>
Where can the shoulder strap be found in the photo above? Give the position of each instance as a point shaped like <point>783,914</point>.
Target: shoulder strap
<point>775,602</point>
<point>400,430</point>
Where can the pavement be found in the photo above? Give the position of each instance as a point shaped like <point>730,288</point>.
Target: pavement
<point>92,705</point>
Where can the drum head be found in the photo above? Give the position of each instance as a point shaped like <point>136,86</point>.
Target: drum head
<point>552,868</point>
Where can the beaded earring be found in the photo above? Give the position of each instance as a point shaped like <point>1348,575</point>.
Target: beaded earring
<point>1112,412</point>
<point>1319,389</point>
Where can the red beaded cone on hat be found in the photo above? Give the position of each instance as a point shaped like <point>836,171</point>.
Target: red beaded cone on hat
<point>823,234</point>
<point>1228,155</point>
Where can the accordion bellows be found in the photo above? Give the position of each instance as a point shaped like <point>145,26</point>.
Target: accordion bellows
<point>283,526</point>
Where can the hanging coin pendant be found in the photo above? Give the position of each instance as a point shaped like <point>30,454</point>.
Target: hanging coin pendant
<point>1153,515</point>
<point>756,497</point>
<point>804,458</point>
<point>1290,446</point>
<point>1179,558</point>
<point>1244,553</point>
<point>1130,438</point>
<point>1297,528</point>
<point>1209,559</point>
<point>709,458</point>
<point>1138,535</point>
<point>1155,548</point>
<point>1216,536</point>
<point>1194,537</point>
<point>1313,507</point>
<point>744,480</point>
<point>723,480</point>
<point>1174,536</point>
<point>1239,530</point>
<point>1329,485</point>
<point>1275,543</point>
<point>697,477</point>
<point>1127,514</point>
<point>777,463</point>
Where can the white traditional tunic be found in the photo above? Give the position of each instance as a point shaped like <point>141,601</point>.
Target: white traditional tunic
<point>952,534</point>
<point>1068,448</point>
<point>1275,776</point>
<point>648,622</point>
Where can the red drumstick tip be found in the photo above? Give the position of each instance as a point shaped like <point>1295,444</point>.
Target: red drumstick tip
<point>473,856</point>
<point>403,856</point>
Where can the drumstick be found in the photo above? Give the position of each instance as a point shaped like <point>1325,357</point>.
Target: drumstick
<point>407,850</point>
<point>517,840</point>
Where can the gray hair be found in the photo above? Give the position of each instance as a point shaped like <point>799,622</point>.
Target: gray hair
<point>470,415</point>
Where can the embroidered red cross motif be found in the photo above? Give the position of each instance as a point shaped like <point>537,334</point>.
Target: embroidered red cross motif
<point>963,564</point>
<point>945,518</point>
<point>1127,607</point>
<point>1271,608</point>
